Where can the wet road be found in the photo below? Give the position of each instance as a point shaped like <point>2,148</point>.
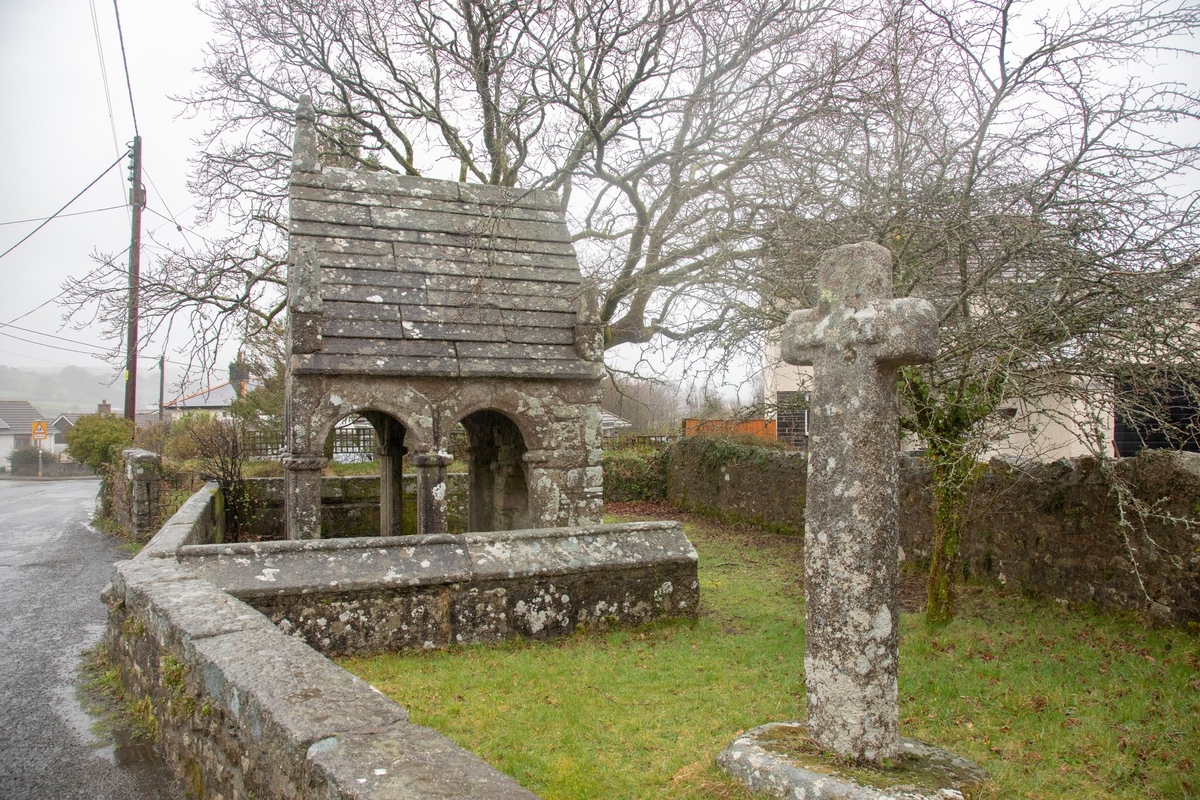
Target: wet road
<point>52,569</point>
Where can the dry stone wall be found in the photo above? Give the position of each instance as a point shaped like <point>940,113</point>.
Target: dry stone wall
<point>1052,530</point>
<point>244,710</point>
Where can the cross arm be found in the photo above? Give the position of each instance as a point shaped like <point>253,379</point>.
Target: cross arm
<point>907,330</point>
<point>802,337</point>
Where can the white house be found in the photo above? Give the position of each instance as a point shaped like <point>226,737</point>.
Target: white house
<point>16,427</point>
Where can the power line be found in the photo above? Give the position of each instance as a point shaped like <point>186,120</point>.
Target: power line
<point>64,208</point>
<point>40,360</point>
<point>125,61</point>
<point>45,303</point>
<point>53,336</point>
<point>104,75</point>
<point>178,227</point>
<point>49,346</point>
<point>72,214</point>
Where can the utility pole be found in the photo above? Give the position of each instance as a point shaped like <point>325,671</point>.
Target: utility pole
<point>137,200</point>
<point>162,384</point>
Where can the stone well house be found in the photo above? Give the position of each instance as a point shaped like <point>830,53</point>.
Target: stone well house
<point>419,305</point>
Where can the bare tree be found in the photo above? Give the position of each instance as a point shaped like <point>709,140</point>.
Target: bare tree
<point>1031,178</point>
<point>1029,171</point>
<point>652,407</point>
<point>658,121</point>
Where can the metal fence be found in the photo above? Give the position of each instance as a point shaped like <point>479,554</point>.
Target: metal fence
<point>349,444</point>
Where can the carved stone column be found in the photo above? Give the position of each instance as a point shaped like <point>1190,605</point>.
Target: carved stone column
<point>391,489</point>
<point>302,485</point>
<point>431,491</point>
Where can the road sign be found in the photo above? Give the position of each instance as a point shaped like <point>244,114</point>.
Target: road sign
<point>39,430</point>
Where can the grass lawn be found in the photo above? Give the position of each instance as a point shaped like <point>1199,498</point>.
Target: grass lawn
<point>1053,702</point>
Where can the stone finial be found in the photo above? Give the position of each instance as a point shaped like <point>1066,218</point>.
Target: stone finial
<point>305,154</point>
<point>304,284</point>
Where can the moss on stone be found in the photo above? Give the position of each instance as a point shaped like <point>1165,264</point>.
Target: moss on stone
<point>917,771</point>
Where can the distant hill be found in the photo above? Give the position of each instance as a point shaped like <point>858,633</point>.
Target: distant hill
<point>76,389</point>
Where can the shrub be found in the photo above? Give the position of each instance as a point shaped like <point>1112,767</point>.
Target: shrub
<point>98,439</point>
<point>215,446</point>
<point>24,461</point>
<point>715,452</point>
<point>635,474</point>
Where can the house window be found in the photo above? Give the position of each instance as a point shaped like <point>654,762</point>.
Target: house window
<point>791,418</point>
<point>1154,417</point>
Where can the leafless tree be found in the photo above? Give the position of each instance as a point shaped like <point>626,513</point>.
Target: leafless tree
<point>1030,171</point>
<point>1036,181</point>
<point>657,120</point>
<point>652,407</point>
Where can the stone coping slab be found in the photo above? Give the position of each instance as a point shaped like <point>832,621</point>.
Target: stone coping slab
<point>755,759</point>
<point>198,520</point>
<point>243,710</point>
<point>344,565</point>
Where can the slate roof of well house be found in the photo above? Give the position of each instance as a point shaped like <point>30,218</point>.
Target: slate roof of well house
<point>436,279</point>
<point>19,416</point>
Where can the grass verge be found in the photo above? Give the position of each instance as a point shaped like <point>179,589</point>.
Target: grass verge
<point>1053,702</point>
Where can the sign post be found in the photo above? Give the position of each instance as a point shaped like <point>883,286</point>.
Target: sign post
<point>39,436</point>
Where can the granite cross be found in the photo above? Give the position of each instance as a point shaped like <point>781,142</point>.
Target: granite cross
<point>854,339</point>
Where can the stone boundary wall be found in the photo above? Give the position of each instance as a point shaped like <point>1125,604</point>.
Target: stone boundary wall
<point>136,493</point>
<point>1051,530</point>
<point>738,483</point>
<point>243,710</point>
<point>349,506</point>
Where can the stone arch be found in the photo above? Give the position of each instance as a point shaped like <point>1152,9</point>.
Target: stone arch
<point>390,449</point>
<point>417,437</point>
<point>497,473</point>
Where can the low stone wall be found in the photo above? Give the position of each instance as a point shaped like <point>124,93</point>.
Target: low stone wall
<point>359,596</point>
<point>243,710</point>
<point>1053,530</point>
<point>136,493</point>
<point>349,506</point>
<point>736,482</point>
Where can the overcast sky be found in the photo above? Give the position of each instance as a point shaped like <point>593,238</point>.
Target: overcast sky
<point>56,134</point>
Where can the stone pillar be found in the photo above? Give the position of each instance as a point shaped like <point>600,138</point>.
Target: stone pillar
<point>431,491</point>
<point>481,486</point>
<point>855,339</point>
<point>302,487</point>
<point>391,450</point>
<point>391,489</point>
<point>143,471</point>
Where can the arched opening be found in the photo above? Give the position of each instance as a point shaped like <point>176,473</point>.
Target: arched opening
<point>373,437</point>
<point>498,487</point>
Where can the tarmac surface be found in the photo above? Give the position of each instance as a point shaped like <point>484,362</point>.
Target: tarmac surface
<point>53,566</point>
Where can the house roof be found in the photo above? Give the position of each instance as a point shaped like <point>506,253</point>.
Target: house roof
<point>64,422</point>
<point>213,398</point>
<point>19,416</point>
<point>609,420</point>
<point>420,277</point>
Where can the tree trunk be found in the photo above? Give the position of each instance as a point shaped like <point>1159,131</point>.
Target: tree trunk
<point>950,485</point>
